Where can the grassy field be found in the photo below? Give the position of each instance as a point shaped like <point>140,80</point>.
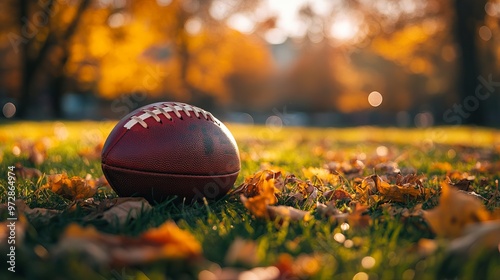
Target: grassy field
<point>389,240</point>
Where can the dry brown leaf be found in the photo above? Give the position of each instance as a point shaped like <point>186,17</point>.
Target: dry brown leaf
<point>258,192</point>
<point>126,211</point>
<point>26,172</point>
<point>116,210</point>
<point>454,212</point>
<point>35,212</point>
<point>164,242</point>
<point>409,187</point>
<point>338,194</point>
<point>258,183</point>
<point>71,188</point>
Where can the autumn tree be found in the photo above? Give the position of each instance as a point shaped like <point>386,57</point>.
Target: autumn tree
<point>39,33</point>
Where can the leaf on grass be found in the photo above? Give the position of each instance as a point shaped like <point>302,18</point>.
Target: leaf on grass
<point>27,172</point>
<point>125,211</point>
<point>263,182</point>
<point>324,176</point>
<point>258,192</point>
<point>165,242</point>
<point>455,210</point>
<point>407,188</point>
<point>35,212</point>
<point>338,194</point>
<point>71,188</point>
<point>462,184</point>
<point>118,210</point>
<point>300,190</point>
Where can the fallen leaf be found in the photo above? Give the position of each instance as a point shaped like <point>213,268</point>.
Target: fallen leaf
<point>454,212</point>
<point>165,242</point>
<point>26,172</point>
<point>260,183</point>
<point>407,188</point>
<point>118,210</point>
<point>462,184</point>
<point>71,188</point>
<point>256,205</point>
<point>126,211</point>
<point>338,194</point>
<point>324,176</point>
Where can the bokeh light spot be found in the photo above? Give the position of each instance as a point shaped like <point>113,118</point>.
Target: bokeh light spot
<point>274,123</point>
<point>9,110</point>
<point>375,98</point>
<point>368,262</point>
<point>339,237</point>
<point>360,276</point>
<point>485,33</point>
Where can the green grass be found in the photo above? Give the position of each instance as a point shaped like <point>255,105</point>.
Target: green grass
<point>390,240</point>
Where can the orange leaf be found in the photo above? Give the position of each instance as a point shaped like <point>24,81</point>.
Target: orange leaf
<point>71,188</point>
<point>164,242</point>
<point>455,210</point>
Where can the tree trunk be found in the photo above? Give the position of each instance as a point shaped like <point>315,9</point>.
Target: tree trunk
<point>468,14</point>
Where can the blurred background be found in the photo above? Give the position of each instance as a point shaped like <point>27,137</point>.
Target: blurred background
<point>286,62</point>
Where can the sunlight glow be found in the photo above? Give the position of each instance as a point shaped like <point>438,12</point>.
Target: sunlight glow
<point>193,26</point>
<point>241,23</point>
<point>275,36</point>
<point>344,28</point>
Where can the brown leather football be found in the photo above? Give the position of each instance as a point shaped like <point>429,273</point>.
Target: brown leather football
<point>169,148</point>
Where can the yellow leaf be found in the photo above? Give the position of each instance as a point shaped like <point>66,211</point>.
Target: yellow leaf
<point>455,211</point>
<point>321,174</point>
<point>175,242</point>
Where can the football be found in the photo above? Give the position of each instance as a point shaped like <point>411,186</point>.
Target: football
<point>169,148</point>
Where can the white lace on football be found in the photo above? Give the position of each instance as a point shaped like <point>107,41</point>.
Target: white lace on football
<point>168,108</point>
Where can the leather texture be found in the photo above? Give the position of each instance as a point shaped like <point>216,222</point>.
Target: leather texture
<point>174,157</point>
